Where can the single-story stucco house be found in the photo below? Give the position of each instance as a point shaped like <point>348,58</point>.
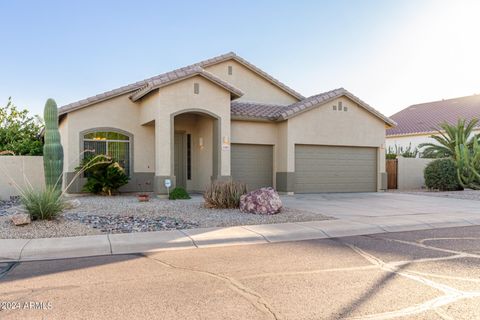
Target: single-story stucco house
<point>226,118</point>
<point>418,122</point>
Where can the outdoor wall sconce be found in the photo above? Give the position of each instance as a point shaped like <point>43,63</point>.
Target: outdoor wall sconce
<point>200,142</point>
<point>226,140</point>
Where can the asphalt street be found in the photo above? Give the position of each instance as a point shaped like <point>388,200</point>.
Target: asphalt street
<point>431,274</point>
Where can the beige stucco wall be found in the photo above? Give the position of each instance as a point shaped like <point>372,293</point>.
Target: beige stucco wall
<point>63,129</point>
<point>204,156</point>
<point>410,173</point>
<point>255,87</point>
<point>120,113</point>
<point>325,126</point>
<point>21,171</point>
<point>179,98</point>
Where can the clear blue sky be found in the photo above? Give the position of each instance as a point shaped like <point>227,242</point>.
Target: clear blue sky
<point>389,53</point>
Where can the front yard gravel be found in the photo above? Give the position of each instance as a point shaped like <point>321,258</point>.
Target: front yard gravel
<point>125,224</point>
<point>121,214</point>
<point>7,204</point>
<point>44,229</point>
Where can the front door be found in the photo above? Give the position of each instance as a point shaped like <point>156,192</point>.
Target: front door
<point>180,161</point>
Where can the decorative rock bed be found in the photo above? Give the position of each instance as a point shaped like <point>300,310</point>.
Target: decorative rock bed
<point>124,213</point>
<point>126,224</point>
<point>7,204</point>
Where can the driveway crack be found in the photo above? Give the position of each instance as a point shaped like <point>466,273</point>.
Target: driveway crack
<point>21,251</point>
<point>251,296</point>
<point>188,236</point>
<point>244,227</point>
<point>449,295</point>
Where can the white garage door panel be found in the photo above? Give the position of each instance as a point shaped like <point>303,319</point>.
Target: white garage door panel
<point>335,169</point>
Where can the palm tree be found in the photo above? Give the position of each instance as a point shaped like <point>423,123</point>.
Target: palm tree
<point>448,137</point>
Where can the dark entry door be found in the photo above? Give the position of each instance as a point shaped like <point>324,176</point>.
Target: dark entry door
<point>180,159</point>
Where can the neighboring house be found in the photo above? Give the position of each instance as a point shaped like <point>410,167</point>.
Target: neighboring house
<point>225,117</point>
<point>418,122</point>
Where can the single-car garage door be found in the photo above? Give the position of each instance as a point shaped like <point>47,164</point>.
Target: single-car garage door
<point>335,169</point>
<point>252,164</point>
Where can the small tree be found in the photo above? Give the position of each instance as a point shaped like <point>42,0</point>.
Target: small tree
<point>20,132</point>
<point>448,137</point>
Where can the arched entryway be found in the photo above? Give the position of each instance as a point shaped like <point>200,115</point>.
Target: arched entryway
<point>195,156</point>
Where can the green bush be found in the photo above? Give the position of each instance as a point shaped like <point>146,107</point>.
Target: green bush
<point>104,176</point>
<point>441,175</point>
<point>178,193</point>
<point>20,132</point>
<point>42,204</point>
<point>221,194</point>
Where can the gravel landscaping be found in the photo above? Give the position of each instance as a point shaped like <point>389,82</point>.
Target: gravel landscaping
<point>121,214</point>
<point>7,204</point>
<point>467,194</point>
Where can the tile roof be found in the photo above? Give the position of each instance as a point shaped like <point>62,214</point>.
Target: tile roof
<point>426,117</point>
<point>322,98</point>
<point>140,84</point>
<point>179,75</point>
<point>251,110</point>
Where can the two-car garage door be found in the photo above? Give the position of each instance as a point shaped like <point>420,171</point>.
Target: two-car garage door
<point>335,169</point>
<point>317,168</point>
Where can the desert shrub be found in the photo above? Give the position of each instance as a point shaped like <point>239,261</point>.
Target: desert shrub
<point>178,193</point>
<point>104,175</point>
<point>441,175</point>
<point>224,194</point>
<point>42,204</point>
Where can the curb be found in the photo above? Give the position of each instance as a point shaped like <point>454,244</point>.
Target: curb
<point>21,250</point>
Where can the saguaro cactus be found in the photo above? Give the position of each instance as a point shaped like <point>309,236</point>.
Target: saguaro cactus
<point>52,149</point>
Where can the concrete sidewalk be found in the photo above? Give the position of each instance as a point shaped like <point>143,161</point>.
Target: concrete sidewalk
<point>110,244</point>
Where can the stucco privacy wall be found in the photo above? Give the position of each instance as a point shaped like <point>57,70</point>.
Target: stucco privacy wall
<point>325,126</point>
<point>410,173</point>
<point>116,113</point>
<point>18,170</point>
<point>406,141</point>
<point>413,140</point>
<point>255,88</point>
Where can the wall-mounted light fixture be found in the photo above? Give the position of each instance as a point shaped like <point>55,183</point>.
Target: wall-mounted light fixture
<point>200,142</point>
<point>226,140</point>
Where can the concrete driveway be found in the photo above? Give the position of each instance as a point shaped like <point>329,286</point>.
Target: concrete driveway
<point>382,204</point>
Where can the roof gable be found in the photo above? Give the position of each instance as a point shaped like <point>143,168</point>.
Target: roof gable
<point>251,67</point>
<point>323,98</point>
<point>130,88</point>
<point>175,76</point>
<point>425,118</point>
<point>247,110</point>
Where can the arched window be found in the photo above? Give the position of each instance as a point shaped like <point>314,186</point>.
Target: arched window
<point>113,143</point>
